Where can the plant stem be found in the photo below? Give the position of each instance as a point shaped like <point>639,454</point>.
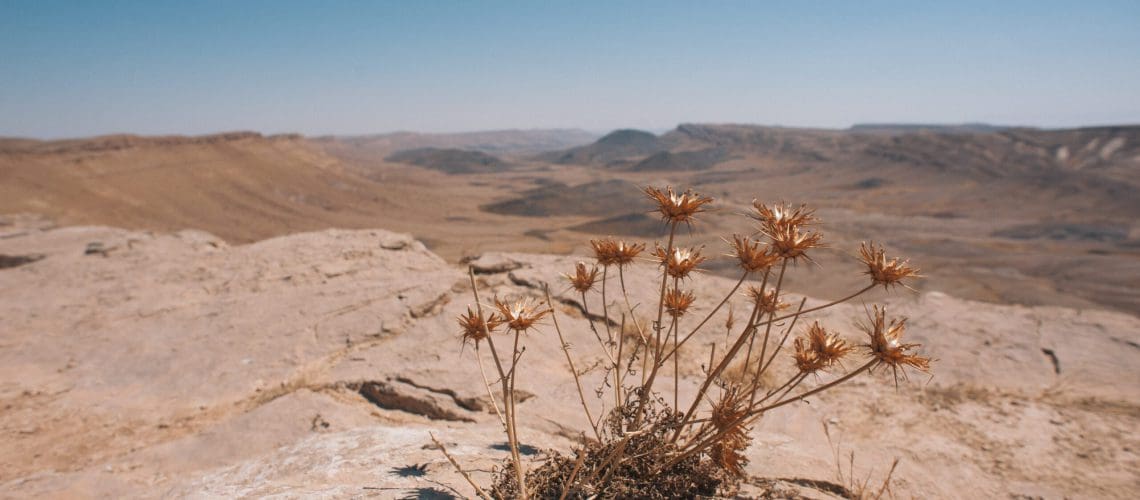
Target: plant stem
<point>647,387</point>
<point>711,314</point>
<point>784,338</point>
<point>570,361</point>
<point>458,468</point>
<point>618,372</point>
<point>487,385</point>
<point>625,295</point>
<point>748,356</point>
<point>594,328</point>
<point>605,307</point>
<point>514,414</point>
<point>508,394</point>
<point>768,327</point>
<point>720,367</point>
<point>819,389</point>
<point>825,306</point>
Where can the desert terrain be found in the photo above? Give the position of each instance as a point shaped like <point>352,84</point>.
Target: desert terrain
<point>247,315</point>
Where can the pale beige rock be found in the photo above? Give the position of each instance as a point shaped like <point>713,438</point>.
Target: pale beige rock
<point>176,365</point>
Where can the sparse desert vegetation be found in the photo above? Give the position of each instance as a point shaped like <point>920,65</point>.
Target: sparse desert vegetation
<point>642,444</point>
<point>563,250</point>
<point>345,339</point>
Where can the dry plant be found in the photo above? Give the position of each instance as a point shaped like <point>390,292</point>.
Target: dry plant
<point>650,444</point>
<point>849,483</point>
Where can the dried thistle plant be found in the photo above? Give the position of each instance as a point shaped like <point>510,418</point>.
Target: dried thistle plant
<point>644,446</point>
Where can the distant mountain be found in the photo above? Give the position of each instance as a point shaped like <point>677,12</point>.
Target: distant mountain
<point>451,161</point>
<point>601,198</point>
<point>129,141</point>
<point>492,142</point>
<point>681,161</point>
<point>910,128</point>
<point>240,186</point>
<point>636,224</point>
<point>626,145</point>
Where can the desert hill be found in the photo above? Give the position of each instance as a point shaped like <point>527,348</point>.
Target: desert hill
<point>895,128</point>
<point>983,209</point>
<point>587,199</point>
<point>990,216</point>
<point>241,186</point>
<point>316,364</point>
<point>450,161</point>
<point>492,142</point>
<point>612,149</point>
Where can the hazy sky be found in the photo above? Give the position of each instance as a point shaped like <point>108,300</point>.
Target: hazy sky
<point>93,67</point>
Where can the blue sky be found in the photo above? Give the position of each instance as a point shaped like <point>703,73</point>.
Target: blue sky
<point>94,67</point>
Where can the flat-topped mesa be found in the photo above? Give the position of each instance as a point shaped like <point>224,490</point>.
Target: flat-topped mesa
<point>130,141</point>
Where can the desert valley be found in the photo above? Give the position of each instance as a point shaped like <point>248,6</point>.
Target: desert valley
<point>249,315</point>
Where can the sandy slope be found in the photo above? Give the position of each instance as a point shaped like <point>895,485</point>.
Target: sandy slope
<point>176,364</point>
<point>241,187</point>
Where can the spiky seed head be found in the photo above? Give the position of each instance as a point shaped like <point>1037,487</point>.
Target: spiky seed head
<point>781,216</point>
<point>786,227</point>
<point>750,255</point>
<point>680,262</point>
<point>791,244</point>
<point>677,208</point>
<point>521,314</point>
<point>827,345</point>
<point>474,327</point>
<point>583,279</point>
<point>819,348</point>
<point>678,302</point>
<point>883,271</point>
<point>766,301</point>
<point>807,360</point>
<point>615,252</point>
<point>885,344</point>
<point>729,417</point>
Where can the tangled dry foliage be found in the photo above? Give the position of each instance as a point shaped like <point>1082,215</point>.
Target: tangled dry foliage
<point>649,445</point>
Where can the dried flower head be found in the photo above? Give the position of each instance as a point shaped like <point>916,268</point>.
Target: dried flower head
<point>767,301</point>
<point>729,415</point>
<point>807,360</point>
<point>582,280</point>
<point>789,243</point>
<point>474,327</point>
<point>521,314</point>
<point>613,252</point>
<point>826,344</point>
<point>680,262</point>
<point>886,346</point>
<point>883,271</point>
<point>784,225</point>
<point>818,348</point>
<point>677,302</point>
<point>677,208</point>
<point>782,216</point>
<point>750,254</point>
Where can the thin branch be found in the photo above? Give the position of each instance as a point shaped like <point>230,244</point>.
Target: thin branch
<point>462,472</point>
<point>487,385</point>
<point>508,391</point>
<point>570,361</point>
<point>819,389</point>
<point>573,473</point>
<point>783,339</point>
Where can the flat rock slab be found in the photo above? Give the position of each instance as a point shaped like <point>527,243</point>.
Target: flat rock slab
<point>318,365</point>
